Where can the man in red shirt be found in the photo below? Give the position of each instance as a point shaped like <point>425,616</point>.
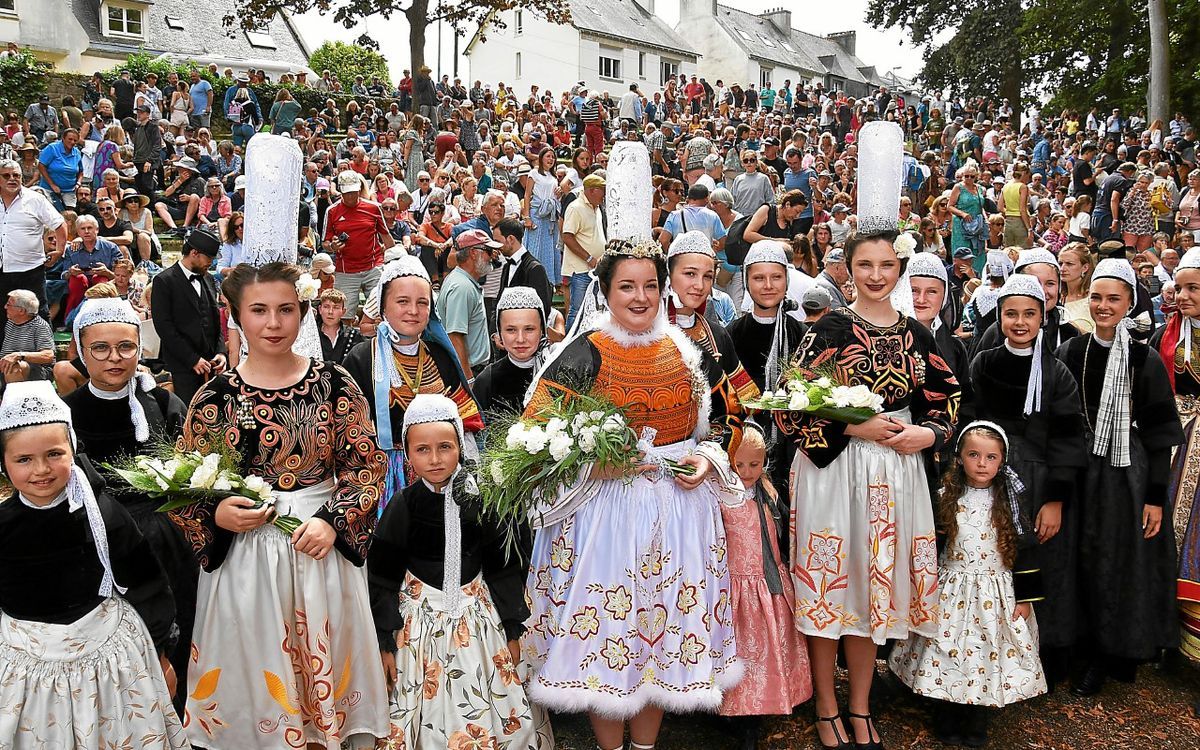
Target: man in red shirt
<point>405,88</point>
<point>694,92</point>
<point>356,233</point>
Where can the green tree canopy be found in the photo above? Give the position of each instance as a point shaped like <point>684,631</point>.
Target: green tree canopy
<point>349,60</point>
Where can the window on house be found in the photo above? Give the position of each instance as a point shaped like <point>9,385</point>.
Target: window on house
<point>260,39</point>
<point>124,21</point>
<point>518,62</point>
<point>175,23</point>
<point>610,64</point>
<point>8,5</point>
<point>788,47</point>
<point>767,41</point>
<point>764,77</point>
<point>745,36</point>
<point>518,22</point>
<point>641,65</point>
<point>668,69</point>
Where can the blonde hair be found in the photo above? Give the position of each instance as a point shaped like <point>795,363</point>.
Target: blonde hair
<point>103,290</point>
<point>753,439</point>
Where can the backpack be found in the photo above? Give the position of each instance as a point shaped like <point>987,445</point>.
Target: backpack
<point>1160,199</point>
<point>914,176</point>
<point>736,246</point>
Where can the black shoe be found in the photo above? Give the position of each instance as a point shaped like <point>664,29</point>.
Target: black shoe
<point>870,744</point>
<point>947,723</point>
<point>975,726</point>
<point>842,742</point>
<point>1092,681</point>
<point>750,726</point>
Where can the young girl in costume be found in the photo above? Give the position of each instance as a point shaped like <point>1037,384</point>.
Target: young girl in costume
<point>985,653</point>
<point>1034,398</point>
<point>86,614</point>
<point>449,602</point>
<point>764,601</point>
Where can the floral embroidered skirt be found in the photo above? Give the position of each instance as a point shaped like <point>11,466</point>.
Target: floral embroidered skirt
<point>457,686</point>
<point>864,554</point>
<point>777,677</point>
<point>981,655</point>
<point>284,651</point>
<point>89,685</point>
<point>629,601</point>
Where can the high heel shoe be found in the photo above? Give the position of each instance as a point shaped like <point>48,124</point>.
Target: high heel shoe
<point>842,742</point>
<point>870,744</point>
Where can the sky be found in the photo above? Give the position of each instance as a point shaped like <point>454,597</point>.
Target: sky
<point>883,49</point>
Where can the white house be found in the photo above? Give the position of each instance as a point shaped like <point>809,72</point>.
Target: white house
<point>764,49</point>
<point>83,36</point>
<point>608,45</point>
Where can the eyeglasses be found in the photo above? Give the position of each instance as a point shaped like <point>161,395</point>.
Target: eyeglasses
<point>422,179</point>
<point>103,350</point>
<point>749,161</point>
<point>238,226</point>
<point>13,177</point>
<point>390,209</point>
<point>436,210</point>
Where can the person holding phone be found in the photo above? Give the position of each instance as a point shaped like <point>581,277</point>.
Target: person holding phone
<point>89,260</point>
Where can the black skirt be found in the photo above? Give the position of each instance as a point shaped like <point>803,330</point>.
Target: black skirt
<point>1057,613</point>
<point>1126,582</point>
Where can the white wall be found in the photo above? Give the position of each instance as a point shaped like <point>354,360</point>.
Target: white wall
<point>721,59</point>
<point>50,29</point>
<point>549,56</point>
<point>649,80</point>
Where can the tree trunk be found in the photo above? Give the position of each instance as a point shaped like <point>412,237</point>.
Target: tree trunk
<point>417,15</point>
<point>1159,93</point>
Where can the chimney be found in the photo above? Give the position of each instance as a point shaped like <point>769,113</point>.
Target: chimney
<point>696,8</point>
<point>646,5</point>
<point>845,39</point>
<point>781,18</point>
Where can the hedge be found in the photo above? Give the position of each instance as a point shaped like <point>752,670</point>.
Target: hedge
<point>22,80</point>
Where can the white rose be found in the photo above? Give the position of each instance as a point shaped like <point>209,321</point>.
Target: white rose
<point>256,487</point>
<point>560,445</point>
<point>307,288</point>
<point>169,468</point>
<point>535,440</point>
<point>798,401</point>
<point>579,421</point>
<point>206,473</point>
<point>795,385</point>
<point>162,483</point>
<point>497,473</point>
<point>613,424</point>
<point>860,397</point>
<point>824,382</point>
<point>515,436</point>
<point>587,441</point>
<point>223,484</point>
<point>556,426</point>
<point>904,245</point>
<point>767,395</point>
<point>596,416</point>
<point>840,396</point>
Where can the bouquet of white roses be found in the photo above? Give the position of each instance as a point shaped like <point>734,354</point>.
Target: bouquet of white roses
<point>528,459</point>
<point>190,477</point>
<point>821,396</point>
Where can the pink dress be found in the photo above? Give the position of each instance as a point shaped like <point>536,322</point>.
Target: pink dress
<point>777,676</point>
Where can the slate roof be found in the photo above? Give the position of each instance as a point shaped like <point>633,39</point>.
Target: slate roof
<point>798,50</point>
<point>626,21</point>
<point>202,35</point>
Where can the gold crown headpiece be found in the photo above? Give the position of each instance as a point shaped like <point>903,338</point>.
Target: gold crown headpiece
<point>648,249</point>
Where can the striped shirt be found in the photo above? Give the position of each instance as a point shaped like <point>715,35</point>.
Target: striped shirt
<point>32,336</point>
<point>590,111</point>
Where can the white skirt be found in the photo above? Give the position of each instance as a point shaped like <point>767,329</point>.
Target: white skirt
<point>630,604</point>
<point>456,682</point>
<point>284,650</point>
<point>981,655</point>
<point>90,685</point>
<point>864,552</point>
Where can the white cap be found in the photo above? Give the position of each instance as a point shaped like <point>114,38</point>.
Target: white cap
<point>349,181</point>
<point>693,241</point>
<point>927,265</point>
<point>766,251</point>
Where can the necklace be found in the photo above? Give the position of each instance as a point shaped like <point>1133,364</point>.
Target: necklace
<point>414,384</point>
<point>1083,389</point>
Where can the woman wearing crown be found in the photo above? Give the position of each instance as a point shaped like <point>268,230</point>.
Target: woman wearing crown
<point>628,586</point>
<point>864,556</point>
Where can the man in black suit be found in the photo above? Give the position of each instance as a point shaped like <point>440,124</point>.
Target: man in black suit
<point>520,267</point>
<point>183,302</point>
